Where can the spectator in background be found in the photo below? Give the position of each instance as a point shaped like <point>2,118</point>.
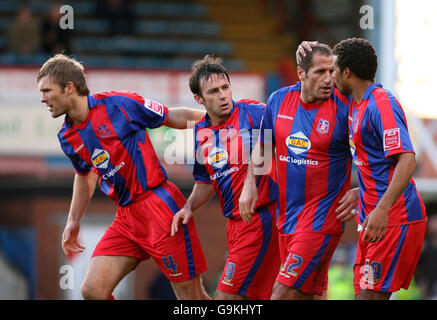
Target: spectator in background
<point>118,14</point>
<point>56,40</point>
<point>24,36</point>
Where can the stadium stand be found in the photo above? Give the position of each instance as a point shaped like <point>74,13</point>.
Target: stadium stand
<point>166,35</point>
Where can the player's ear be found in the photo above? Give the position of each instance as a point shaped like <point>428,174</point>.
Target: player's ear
<point>347,73</point>
<point>199,99</point>
<point>300,74</point>
<point>69,87</point>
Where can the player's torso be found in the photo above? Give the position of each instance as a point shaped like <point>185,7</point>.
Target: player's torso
<point>225,152</point>
<point>118,151</point>
<point>313,162</point>
<point>368,145</point>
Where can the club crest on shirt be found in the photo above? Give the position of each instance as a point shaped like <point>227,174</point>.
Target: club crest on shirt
<point>298,142</point>
<point>323,126</point>
<point>104,131</point>
<point>392,139</point>
<point>230,131</point>
<point>100,158</point>
<point>217,157</point>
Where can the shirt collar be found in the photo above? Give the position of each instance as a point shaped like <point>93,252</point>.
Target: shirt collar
<point>370,89</point>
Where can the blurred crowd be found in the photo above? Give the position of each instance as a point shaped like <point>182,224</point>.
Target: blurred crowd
<point>29,34</point>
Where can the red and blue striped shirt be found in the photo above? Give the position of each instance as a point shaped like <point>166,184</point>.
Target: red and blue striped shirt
<point>378,130</point>
<point>222,154</point>
<point>113,142</point>
<point>313,159</point>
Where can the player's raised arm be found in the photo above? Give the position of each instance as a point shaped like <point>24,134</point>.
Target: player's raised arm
<point>183,118</point>
<point>201,193</point>
<point>83,190</point>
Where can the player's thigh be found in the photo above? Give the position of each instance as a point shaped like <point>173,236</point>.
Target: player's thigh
<point>220,295</point>
<point>191,289</point>
<point>372,295</point>
<point>305,260</point>
<point>283,292</point>
<point>104,273</point>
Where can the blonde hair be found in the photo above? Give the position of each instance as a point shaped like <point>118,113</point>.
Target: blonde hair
<point>62,69</point>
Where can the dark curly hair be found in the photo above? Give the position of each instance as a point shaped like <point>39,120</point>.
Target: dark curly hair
<point>359,55</point>
<point>202,69</point>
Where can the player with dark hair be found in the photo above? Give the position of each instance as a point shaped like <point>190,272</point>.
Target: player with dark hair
<point>224,140</point>
<point>105,137</point>
<point>308,126</point>
<point>390,210</point>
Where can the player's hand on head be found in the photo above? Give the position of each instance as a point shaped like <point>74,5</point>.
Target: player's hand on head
<point>375,225</point>
<point>70,243</point>
<point>300,52</point>
<point>185,215</point>
<point>347,204</point>
<point>247,201</point>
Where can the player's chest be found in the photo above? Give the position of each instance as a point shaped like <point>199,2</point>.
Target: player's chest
<point>307,130</point>
<point>227,145</point>
<point>360,129</point>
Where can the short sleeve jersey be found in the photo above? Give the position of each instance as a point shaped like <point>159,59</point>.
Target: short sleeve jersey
<point>313,159</point>
<point>378,131</point>
<point>113,142</point>
<point>222,154</point>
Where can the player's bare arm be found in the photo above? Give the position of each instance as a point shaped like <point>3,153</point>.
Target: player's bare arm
<point>375,224</point>
<point>183,118</point>
<point>348,203</point>
<point>83,190</point>
<point>249,194</point>
<point>200,195</point>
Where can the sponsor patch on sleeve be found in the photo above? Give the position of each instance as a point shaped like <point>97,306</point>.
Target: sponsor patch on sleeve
<point>154,106</point>
<point>392,139</point>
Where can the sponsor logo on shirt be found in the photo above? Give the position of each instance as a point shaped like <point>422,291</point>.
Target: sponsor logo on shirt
<point>352,145</point>
<point>113,171</point>
<point>285,116</point>
<point>100,158</point>
<point>323,126</point>
<point>298,142</point>
<point>353,151</point>
<point>217,157</point>
<point>154,107</point>
<point>392,139</point>
<point>299,162</point>
<point>355,125</point>
<point>223,173</point>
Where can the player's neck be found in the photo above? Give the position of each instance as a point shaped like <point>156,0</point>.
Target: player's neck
<point>79,110</point>
<point>359,88</point>
<point>218,121</point>
<point>308,98</point>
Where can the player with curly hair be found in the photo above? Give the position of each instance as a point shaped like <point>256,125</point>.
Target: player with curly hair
<point>390,211</point>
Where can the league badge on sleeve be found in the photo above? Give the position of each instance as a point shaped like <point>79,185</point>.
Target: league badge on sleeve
<point>392,139</point>
<point>154,106</point>
<point>323,126</point>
